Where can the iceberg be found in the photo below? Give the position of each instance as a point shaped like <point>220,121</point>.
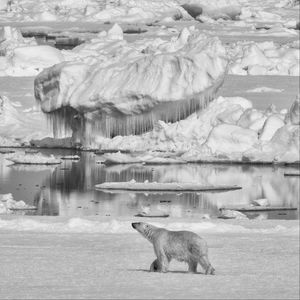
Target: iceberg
<point>132,86</point>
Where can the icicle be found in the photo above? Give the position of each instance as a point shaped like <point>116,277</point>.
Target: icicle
<point>87,126</point>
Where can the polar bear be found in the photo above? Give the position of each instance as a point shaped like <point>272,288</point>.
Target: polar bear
<point>181,245</point>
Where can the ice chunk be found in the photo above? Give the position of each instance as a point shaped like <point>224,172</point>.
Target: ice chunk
<point>293,115</point>
<point>261,202</point>
<point>231,214</point>
<point>36,57</point>
<point>227,138</point>
<point>115,33</point>
<point>272,124</point>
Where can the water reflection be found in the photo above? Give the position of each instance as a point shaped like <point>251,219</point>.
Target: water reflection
<point>68,189</point>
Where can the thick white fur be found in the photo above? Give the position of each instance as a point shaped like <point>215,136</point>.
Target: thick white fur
<point>181,245</point>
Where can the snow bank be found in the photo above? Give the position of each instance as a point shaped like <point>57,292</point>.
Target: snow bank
<point>266,58</point>
<point>124,88</point>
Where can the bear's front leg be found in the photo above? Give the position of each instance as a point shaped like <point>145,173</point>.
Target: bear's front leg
<point>162,259</point>
<point>163,263</point>
<point>155,266</point>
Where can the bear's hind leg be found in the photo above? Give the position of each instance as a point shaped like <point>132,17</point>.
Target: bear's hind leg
<point>204,262</point>
<point>192,266</point>
<point>155,266</point>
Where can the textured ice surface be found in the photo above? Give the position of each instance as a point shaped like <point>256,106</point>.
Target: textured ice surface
<point>228,129</point>
<point>265,58</point>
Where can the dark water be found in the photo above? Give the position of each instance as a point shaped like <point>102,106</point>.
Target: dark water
<point>68,189</point>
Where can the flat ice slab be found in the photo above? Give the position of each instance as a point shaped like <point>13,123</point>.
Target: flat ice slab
<point>170,186</point>
<point>292,174</point>
<point>34,159</point>
<point>262,208</point>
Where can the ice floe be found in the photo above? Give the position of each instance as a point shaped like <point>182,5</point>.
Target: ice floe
<point>33,159</point>
<point>264,89</point>
<point>166,186</point>
<point>8,205</point>
<point>231,214</point>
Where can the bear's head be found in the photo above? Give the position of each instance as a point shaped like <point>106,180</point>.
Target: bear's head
<point>146,230</point>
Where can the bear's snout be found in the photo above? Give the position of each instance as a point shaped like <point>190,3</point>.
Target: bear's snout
<point>134,225</point>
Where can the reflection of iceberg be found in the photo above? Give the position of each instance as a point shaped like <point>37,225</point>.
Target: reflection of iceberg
<point>71,192</point>
<point>126,94</point>
<point>32,167</point>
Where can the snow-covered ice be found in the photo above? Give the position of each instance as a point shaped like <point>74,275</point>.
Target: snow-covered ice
<point>159,187</point>
<point>250,259</point>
